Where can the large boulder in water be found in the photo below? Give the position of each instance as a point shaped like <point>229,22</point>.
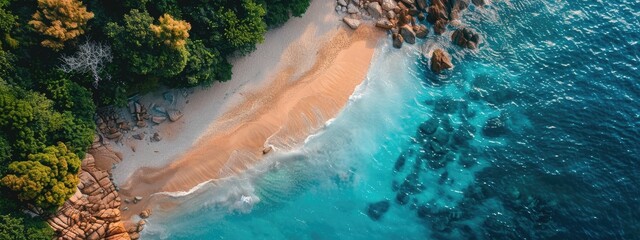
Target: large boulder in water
<point>436,11</point>
<point>440,26</point>
<point>421,31</point>
<point>494,127</point>
<point>440,61</point>
<point>408,34</point>
<point>397,40</point>
<point>466,37</point>
<point>429,127</point>
<point>377,209</point>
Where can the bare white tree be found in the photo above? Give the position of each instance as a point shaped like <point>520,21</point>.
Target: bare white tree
<point>91,58</point>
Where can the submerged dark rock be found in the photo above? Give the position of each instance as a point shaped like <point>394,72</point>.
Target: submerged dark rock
<point>494,127</point>
<point>402,159</point>
<point>466,37</point>
<point>402,198</point>
<point>429,127</point>
<point>441,136</point>
<point>376,210</point>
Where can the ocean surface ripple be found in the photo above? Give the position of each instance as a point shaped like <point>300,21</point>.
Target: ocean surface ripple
<point>532,136</point>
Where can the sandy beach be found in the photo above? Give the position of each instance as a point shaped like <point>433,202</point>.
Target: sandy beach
<point>202,106</point>
<point>298,79</point>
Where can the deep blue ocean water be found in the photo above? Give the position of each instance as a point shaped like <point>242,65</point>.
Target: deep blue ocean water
<point>562,78</point>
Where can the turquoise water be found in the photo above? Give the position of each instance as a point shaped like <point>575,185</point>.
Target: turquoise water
<point>562,77</point>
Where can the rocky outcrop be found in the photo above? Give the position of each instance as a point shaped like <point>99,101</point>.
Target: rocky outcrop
<point>403,16</point>
<point>93,211</point>
<point>466,37</point>
<point>440,61</point>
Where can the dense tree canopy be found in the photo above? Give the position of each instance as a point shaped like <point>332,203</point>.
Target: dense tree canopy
<point>156,50</point>
<point>279,11</point>
<point>44,179</point>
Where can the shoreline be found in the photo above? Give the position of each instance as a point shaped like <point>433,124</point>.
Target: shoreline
<point>276,109</point>
<point>281,115</point>
<point>202,106</point>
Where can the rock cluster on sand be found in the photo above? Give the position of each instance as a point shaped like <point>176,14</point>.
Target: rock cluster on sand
<point>93,211</point>
<point>111,125</point>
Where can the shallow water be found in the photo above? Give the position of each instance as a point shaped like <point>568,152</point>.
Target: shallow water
<point>561,76</point>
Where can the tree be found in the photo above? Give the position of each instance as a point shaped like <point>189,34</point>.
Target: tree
<point>279,11</point>
<point>158,52</point>
<point>205,65</point>
<point>60,21</point>
<point>31,122</point>
<point>45,180</point>
<point>11,228</point>
<point>91,58</point>
<point>16,228</point>
<point>244,33</point>
<point>171,32</point>
<point>8,22</point>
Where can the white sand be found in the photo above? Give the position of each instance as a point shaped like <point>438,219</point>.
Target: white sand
<point>206,105</point>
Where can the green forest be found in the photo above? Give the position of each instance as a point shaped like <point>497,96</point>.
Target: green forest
<point>60,60</point>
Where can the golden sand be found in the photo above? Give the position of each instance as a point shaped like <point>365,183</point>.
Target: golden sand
<point>294,104</point>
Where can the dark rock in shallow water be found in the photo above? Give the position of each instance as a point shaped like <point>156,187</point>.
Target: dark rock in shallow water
<point>446,105</point>
<point>437,147</point>
<point>441,136</point>
<point>376,210</point>
<point>429,127</point>
<point>443,177</point>
<point>446,123</point>
<point>402,159</point>
<point>411,184</point>
<point>466,37</point>
<point>395,186</point>
<point>493,90</point>
<point>442,161</point>
<point>494,127</point>
<point>463,134</point>
<point>423,211</point>
<point>397,40</point>
<point>408,34</point>
<point>402,198</point>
